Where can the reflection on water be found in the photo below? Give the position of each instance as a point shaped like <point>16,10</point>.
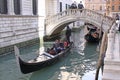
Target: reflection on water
<point>82,59</point>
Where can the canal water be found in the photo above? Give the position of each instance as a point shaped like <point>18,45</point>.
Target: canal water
<point>81,59</point>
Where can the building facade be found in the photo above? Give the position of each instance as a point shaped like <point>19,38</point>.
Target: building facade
<point>23,20</point>
<point>55,6</point>
<point>18,22</point>
<point>97,5</point>
<point>113,7</point>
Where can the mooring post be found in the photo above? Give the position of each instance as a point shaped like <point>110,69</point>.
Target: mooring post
<point>102,52</point>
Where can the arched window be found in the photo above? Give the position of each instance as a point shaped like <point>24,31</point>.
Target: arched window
<point>3,7</point>
<point>34,2</point>
<point>17,7</point>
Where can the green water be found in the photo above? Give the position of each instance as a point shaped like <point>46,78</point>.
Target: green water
<point>81,60</point>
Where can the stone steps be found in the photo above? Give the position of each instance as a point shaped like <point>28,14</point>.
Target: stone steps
<point>112,62</point>
<point>111,70</point>
<point>111,76</point>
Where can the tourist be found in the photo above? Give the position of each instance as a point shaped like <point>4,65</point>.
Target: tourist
<point>58,46</point>
<point>73,5</point>
<point>61,45</point>
<point>117,17</point>
<point>52,51</point>
<point>117,21</point>
<point>80,5</point>
<point>65,44</point>
<point>119,27</point>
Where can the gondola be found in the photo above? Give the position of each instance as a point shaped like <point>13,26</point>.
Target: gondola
<point>42,61</point>
<point>92,35</point>
<point>90,38</point>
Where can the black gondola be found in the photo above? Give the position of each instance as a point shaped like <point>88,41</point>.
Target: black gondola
<point>41,61</point>
<point>92,35</point>
<point>90,38</point>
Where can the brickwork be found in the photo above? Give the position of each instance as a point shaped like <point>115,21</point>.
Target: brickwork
<point>113,7</point>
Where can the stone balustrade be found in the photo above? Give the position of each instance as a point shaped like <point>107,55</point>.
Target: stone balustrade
<point>72,15</point>
<point>111,42</point>
<point>112,59</point>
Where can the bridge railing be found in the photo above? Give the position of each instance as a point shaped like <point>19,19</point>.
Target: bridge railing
<point>111,42</point>
<point>79,13</point>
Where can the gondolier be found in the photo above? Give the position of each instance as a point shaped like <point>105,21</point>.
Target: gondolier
<point>68,34</point>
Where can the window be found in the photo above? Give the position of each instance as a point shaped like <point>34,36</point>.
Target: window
<point>93,7</point>
<point>60,6</point>
<point>108,8</point>
<point>17,7</point>
<point>3,7</point>
<point>34,7</point>
<point>119,8</point>
<point>108,1</point>
<point>100,7</point>
<point>113,8</point>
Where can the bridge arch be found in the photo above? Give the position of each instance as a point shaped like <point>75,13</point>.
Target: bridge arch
<point>56,23</point>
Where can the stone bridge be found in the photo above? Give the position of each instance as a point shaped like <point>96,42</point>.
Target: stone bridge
<point>54,24</point>
<point>110,46</point>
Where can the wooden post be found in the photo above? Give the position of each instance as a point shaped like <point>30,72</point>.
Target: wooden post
<point>100,32</point>
<point>102,52</point>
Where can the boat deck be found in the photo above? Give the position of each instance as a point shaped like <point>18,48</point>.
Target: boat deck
<point>42,57</point>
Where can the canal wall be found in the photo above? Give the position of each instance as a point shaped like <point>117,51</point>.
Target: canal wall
<point>15,29</point>
<point>10,48</point>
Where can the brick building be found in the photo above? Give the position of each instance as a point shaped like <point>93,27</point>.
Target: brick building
<point>113,7</point>
<point>97,5</point>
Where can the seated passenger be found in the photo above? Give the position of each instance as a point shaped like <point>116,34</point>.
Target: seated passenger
<point>61,45</point>
<point>56,46</point>
<point>52,51</point>
<point>95,35</point>
<point>48,49</point>
<point>65,44</point>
